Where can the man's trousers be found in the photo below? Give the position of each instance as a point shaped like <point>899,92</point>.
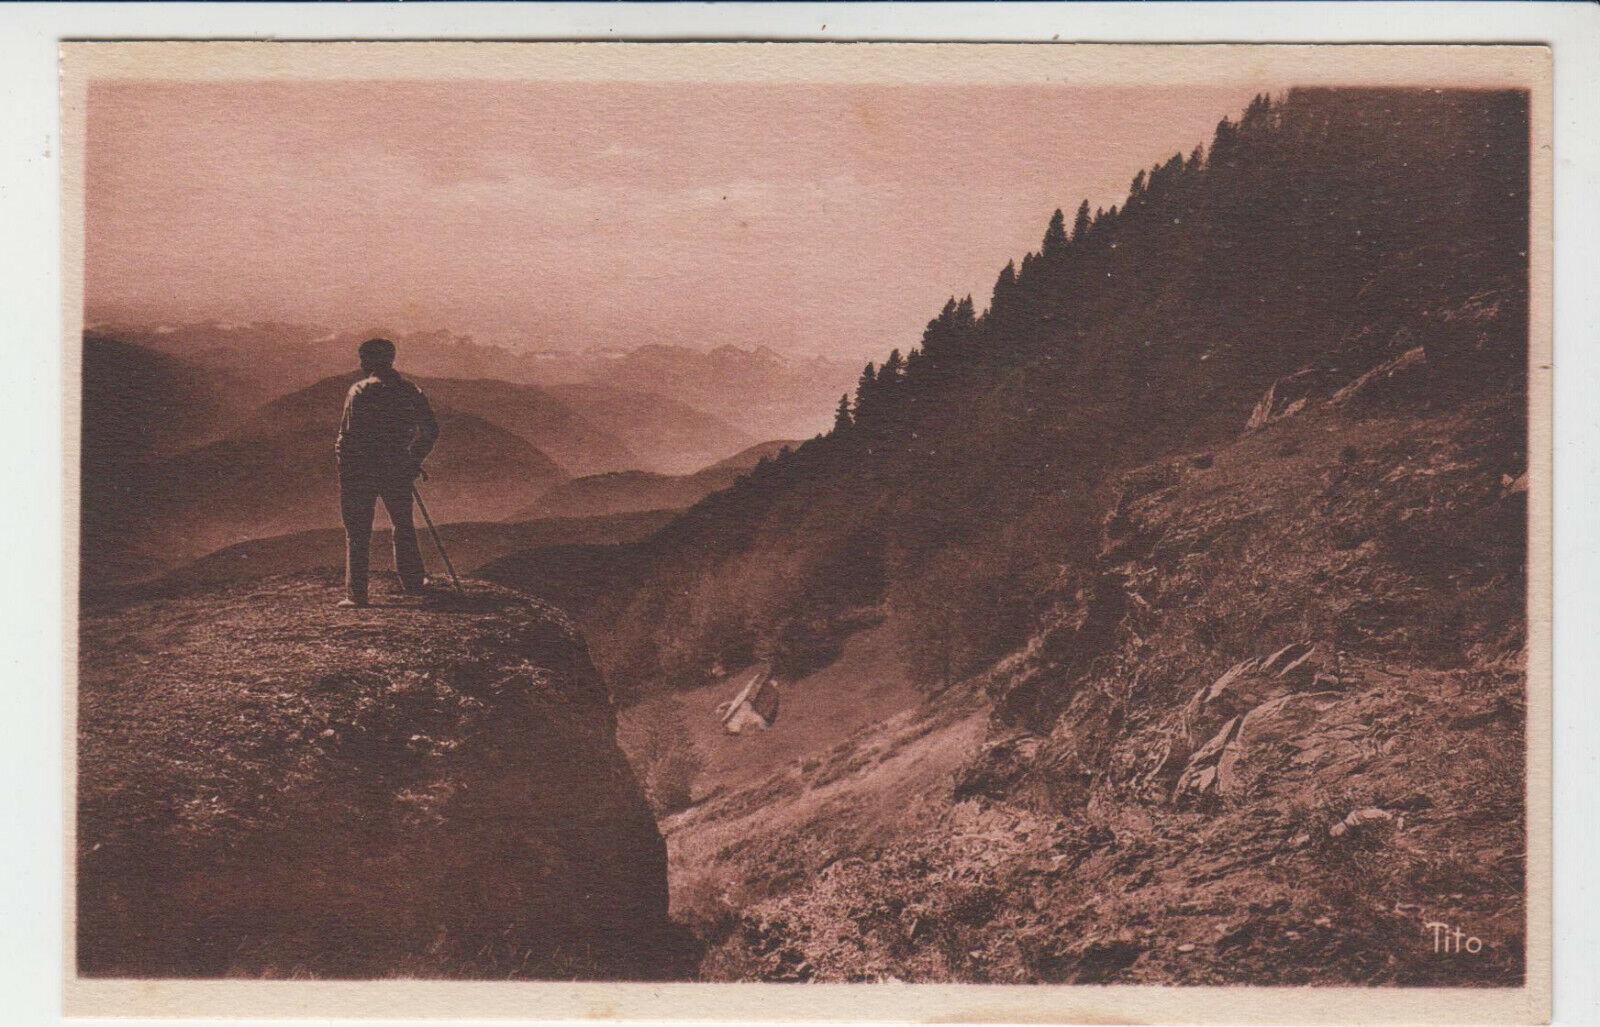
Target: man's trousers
<point>357,498</point>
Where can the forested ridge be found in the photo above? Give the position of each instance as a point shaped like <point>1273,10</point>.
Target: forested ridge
<point>962,487</point>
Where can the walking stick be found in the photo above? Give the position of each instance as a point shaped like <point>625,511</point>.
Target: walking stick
<point>436,540</point>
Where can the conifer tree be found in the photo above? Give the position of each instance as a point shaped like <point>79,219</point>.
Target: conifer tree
<point>866,407</point>
<point>864,385</point>
<point>1080,224</point>
<point>1055,236</point>
<point>1005,286</point>
<point>841,417</point>
<point>1222,144</point>
<point>936,338</point>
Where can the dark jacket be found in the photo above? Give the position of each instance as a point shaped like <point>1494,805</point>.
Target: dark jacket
<point>387,429</point>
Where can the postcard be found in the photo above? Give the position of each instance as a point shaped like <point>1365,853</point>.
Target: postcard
<point>984,533</point>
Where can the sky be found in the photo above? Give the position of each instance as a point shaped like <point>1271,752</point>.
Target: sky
<point>813,219</point>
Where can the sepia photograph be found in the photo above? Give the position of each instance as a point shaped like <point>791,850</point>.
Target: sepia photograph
<point>868,517</point>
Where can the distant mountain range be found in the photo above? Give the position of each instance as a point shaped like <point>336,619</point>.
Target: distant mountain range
<point>622,492</point>
<point>179,460</point>
<point>667,436</point>
<point>760,392</point>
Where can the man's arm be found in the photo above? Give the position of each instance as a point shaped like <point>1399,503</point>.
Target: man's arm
<point>426,429</point>
<point>341,444</point>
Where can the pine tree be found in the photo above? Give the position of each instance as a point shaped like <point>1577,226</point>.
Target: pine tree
<point>936,338</point>
<point>866,408</point>
<point>842,421</point>
<point>1055,236</point>
<point>865,385</point>
<point>1222,144</point>
<point>1005,287</point>
<point>1080,224</point>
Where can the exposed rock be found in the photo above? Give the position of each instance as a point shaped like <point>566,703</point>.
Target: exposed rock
<point>1358,819</point>
<point>1246,685</point>
<point>1485,334</point>
<point>1382,374</point>
<point>268,785</point>
<point>1284,398</point>
<point>1291,726</point>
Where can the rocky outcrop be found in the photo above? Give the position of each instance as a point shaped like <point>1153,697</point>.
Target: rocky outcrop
<point>270,786</point>
<point>1290,725</point>
<point>1281,713</point>
<point>1246,685</point>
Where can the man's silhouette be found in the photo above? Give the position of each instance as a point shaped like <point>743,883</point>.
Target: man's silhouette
<point>386,432</point>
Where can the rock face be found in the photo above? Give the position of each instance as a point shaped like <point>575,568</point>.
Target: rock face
<point>269,786</point>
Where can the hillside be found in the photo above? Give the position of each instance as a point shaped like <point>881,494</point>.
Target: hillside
<point>1282,739</point>
<point>631,491</point>
<point>139,405</point>
<point>748,458</point>
<point>578,444</point>
<point>271,787</point>
<point>667,435</point>
<point>470,544</point>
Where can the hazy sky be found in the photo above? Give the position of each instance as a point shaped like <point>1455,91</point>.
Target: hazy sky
<point>828,219</point>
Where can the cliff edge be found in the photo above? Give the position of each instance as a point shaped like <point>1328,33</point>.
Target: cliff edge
<point>269,786</point>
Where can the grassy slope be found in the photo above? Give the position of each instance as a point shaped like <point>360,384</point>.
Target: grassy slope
<point>1388,538</point>
<point>865,686</point>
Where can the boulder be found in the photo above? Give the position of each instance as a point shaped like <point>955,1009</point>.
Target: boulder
<point>270,786</point>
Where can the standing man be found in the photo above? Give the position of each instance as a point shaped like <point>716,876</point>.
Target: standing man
<point>386,432</point>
